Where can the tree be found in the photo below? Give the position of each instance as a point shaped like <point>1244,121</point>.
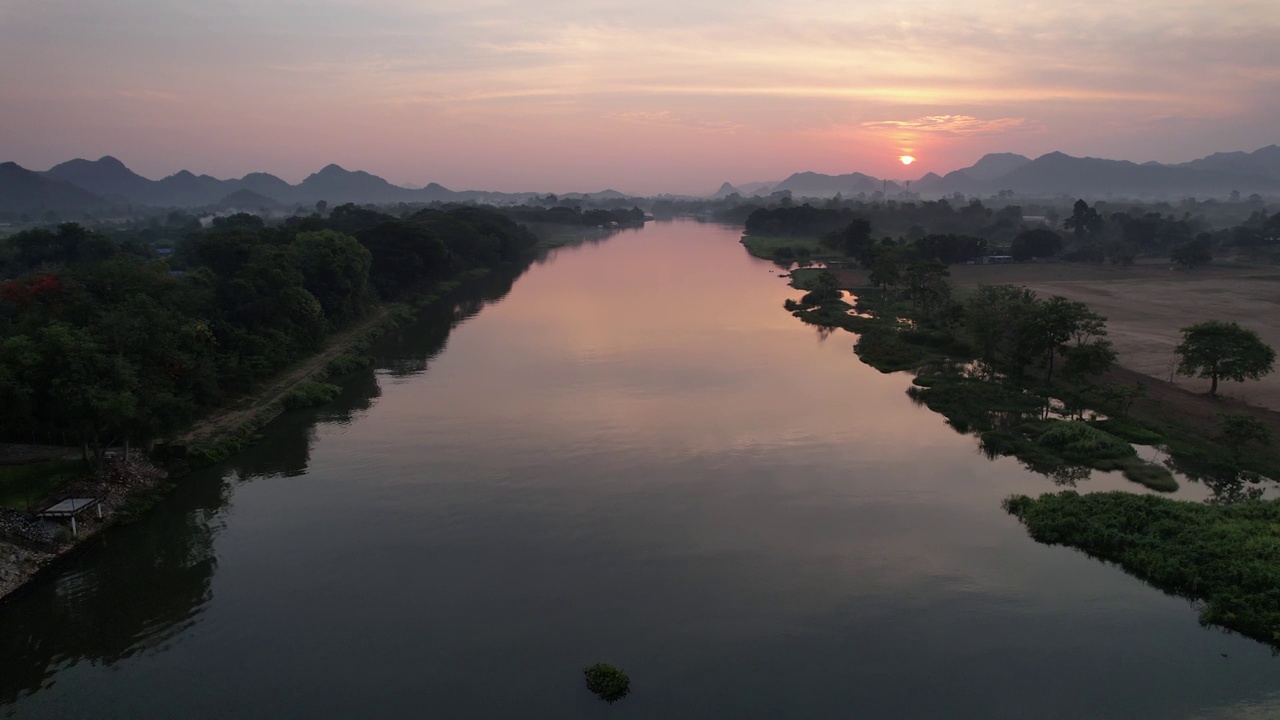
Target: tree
<point>852,239</point>
<point>1057,321</point>
<point>1217,350</point>
<point>1193,253</point>
<point>1084,220</point>
<point>996,318</point>
<point>1240,429</point>
<point>1035,243</point>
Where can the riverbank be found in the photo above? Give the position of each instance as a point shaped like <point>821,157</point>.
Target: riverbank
<point>1221,553</point>
<point>125,494</point>
<point>30,543</point>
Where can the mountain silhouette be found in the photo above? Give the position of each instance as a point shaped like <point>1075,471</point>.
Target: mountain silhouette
<point>23,191</point>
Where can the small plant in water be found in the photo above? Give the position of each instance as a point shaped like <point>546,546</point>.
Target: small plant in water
<point>608,682</point>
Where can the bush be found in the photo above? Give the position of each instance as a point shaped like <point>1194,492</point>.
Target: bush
<point>310,394</point>
<point>1221,555</point>
<point>1082,442</point>
<point>608,682</point>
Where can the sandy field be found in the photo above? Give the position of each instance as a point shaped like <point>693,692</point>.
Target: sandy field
<point>1146,310</point>
<point>1145,307</point>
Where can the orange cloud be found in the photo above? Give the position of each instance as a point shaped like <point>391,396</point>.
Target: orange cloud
<point>959,125</point>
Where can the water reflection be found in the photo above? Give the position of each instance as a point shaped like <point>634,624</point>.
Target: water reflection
<point>637,458</point>
<point>107,605</point>
<point>142,585</point>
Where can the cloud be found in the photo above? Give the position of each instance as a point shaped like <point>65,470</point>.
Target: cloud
<point>956,125</point>
<point>666,117</point>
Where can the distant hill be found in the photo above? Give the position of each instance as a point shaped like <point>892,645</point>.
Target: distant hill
<point>1060,174</point>
<point>107,181</point>
<point>338,185</point>
<point>995,165</point>
<point>757,188</point>
<point>1263,162</point>
<point>726,190</point>
<point>23,191</point>
<point>811,184</point>
<point>1056,173</point>
<point>245,200</point>
<point>270,186</point>
<point>105,176</point>
<point>926,183</point>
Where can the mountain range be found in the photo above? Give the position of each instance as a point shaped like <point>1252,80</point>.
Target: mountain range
<point>1056,174</point>
<point>108,185</point>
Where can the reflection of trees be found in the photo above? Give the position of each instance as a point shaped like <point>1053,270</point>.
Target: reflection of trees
<point>409,350</point>
<point>405,351</point>
<point>127,593</point>
<point>143,583</point>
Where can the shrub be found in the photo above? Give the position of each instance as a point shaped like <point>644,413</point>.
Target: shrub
<point>310,394</point>
<point>608,682</point>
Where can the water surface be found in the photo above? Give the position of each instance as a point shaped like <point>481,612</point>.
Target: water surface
<point>628,453</point>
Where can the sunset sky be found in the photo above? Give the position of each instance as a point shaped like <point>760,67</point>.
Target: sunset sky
<point>660,96</point>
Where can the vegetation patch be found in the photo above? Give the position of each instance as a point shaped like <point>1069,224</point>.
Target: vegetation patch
<point>607,682</point>
<point>310,393</point>
<point>1156,477</point>
<point>1129,430</point>
<point>783,250</point>
<point>1081,442</point>
<point>347,363</point>
<point>1227,557</point>
<point>24,486</point>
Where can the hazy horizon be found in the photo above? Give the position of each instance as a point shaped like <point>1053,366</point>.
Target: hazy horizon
<point>665,97</point>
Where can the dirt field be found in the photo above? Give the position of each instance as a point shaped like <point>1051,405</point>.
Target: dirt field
<point>1146,305</point>
<point>1146,310</point>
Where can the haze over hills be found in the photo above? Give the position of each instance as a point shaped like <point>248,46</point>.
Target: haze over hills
<point>1056,174</point>
<point>107,183</point>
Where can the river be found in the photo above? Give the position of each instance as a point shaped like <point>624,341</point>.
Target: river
<point>629,453</point>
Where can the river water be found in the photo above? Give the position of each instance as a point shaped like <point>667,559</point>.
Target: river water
<point>630,453</point>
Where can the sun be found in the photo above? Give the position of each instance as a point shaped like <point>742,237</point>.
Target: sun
<point>906,159</point>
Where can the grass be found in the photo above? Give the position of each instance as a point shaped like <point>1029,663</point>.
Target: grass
<point>783,249</point>
<point>1227,557</point>
<point>23,487</point>
<point>1156,477</point>
<point>309,393</point>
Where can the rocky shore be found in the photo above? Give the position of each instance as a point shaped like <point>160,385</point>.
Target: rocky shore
<point>29,543</point>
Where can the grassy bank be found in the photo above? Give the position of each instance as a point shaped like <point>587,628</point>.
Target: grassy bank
<point>23,487</point>
<point>1224,553</point>
<point>783,250</point>
<point>226,432</point>
<point>1018,415</point>
<point>1227,557</point>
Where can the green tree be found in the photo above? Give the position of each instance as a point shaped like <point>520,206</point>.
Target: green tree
<point>1216,350</point>
<point>1084,220</point>
<point>1240,429</point>
<point>852,239</point>
<point>996,319</point>
<point>1058,321</point>
<point>1035,243</point>
<point>335,269</point>
<point>1193,253</point>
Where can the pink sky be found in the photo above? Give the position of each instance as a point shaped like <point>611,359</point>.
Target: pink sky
<point>651,97</point>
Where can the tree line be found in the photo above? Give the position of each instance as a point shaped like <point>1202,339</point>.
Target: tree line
<point>101,342</point>
<point>955,234</point>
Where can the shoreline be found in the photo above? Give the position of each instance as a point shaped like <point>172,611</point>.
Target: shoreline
<point>211,439</point>
<point>230,429</point>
